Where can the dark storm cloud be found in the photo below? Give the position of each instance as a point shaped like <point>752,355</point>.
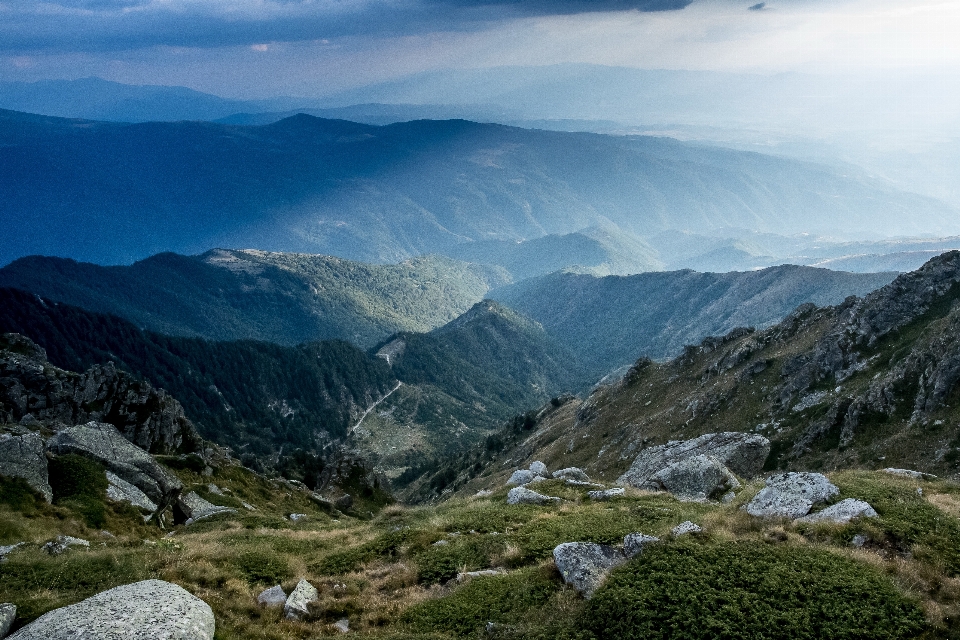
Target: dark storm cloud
<point>104,25</point>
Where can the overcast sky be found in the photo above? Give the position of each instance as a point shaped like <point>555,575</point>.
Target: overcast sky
<point>259,48</point>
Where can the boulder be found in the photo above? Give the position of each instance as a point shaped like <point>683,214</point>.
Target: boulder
<point>102,442</point>
<point>272,597</point>
<point>342,625</point>
<point>742,453</point>
<point>344,502</point>
<point>605,494</point>
<point>522,495</point>
<point>521,477</point>
<point>585,565</point>
<point>8,549</point>
<point>539,469</point>
<point>684,528</point>
<point>699,477</point>
<point>791,495</point>
<point>22,456</point>
<point>297,517</point>
<point>122,491</point>
<point>140,611</point>
<point>62,543</point>
<point>191,507</point>
<point>8,613</point>
<point>572,473</point>
<point>842,512</point>
<point>296,606</point>
<point>633,543</point>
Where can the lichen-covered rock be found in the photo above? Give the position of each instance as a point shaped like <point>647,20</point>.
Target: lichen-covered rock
<point>297,517</point>
<point>102,442</point>
<point>842,512</point>
<point>742,453</point>
<point>191,507</point>
<point>634,543</point>
<point>272,597</point>
<point>910,473</point>
<point>62,543</point>
<point>146,610</point>
<point>521,477</point>
<point>8,613</point>
<point>22,456</point>
<point>684,528</point>
<point>538,468</point>
<point>297,603</point>
<point>572,473</point>
<point>585,565</point>
<point>6,550</point>
<point>700,477</point>
<point>122,491</point>
<point>605,494</point>
<point>791,495</point>
<point>522,495</point>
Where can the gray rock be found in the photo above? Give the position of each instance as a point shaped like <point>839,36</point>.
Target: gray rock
<point>485,573</point>
<point>633,543</point>
<point>605,494</point>
<point>572,473</point>
<point>297,517</point>
<point>146,610</point>
<point>272,597</point>
<point>296,606</point>
<point>728,497</point>
<point>581,483</point>
<point>214,489</point>
<point>910,473</point>
<point>742,453</point>
<point>585,565</point>
<point>344,502</point>
<point>8,613</point>
<point>521,477</point>
<point>191,507</point>
<point>699,477</point>
<point>21,456</point>
<point>791,495</point>
<point>8,549</point>
<point>342,625</point>
<point>684,528</point>
<point>522,495</point>
<point>842,512</point>
<point>122,491</point>
<point>62,543</point>
<point>248,506</point>
<point>102,442</point>
<point>538,468</point>
<point>859,541</point>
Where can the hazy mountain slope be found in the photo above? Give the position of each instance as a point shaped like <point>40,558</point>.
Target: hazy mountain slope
<point>282,298</point>
<point>608,322</point>
<point>122,192</point>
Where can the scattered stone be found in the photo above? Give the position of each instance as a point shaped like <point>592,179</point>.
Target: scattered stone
<point>344,502</point>
<point>633,543</point>
<point>521,477</point>
<point>584,565</point>
<point>8,613</point>
<point>440,543</point>
<point>191,507</point>
<point>728,497</point>
<point>342,625</point>
<point>248,506</point>
<point>297,517</point>
<point>122,491</point>
<point>606,494</point>
<point>522,495</point>
<point>537,479</point>
<point>572,473</point>
<point>107,534</point>
<point>62,543</point>
<point>842,512</point>
<point>102,442</point>
<point>581,483</point>
<point>8,549</point>
<point>684,528</point>
<point>538,468</point>
<point>22,456</point>
<point>140,611</point>
<point>296,605</point>
<point>466,575</point>
<point>791,495</point>
<point>214,489</point>
<point>742,453</point>
<point>859,541</point>
<point>272,597</point>
<point>696,478</point>
<point>909,473</point>
<point>483,493</point>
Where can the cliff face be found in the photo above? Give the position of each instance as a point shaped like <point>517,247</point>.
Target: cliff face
<point>33,390</point>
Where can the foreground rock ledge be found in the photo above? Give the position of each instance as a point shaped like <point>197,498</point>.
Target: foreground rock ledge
<point>146,610</point>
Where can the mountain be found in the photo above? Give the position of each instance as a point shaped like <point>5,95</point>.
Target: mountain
<point>281,298</point>
<point>610,321</point>
<point>115,193</point>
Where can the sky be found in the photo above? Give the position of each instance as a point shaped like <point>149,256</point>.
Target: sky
<point>263,48</point>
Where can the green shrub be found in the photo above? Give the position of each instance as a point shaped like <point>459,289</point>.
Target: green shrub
<point>439,564</point>
<point>496,598</point>
<point>73,476</point>
<point>262,567</point>
<point>387,545</point>
<point>20,496</point>
<point>748,590</point>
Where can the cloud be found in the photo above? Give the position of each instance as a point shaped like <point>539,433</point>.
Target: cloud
<point>112,25</point>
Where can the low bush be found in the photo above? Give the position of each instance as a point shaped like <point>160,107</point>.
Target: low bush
<point>73,476</point>
<point>439,564</point>
<point>20,496</point>
<point>262,567</point>
<point>749,590</point>
<point>385,546</point>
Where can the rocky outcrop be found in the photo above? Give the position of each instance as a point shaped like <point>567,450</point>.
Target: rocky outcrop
<point>22,456</point>
<point>700,477</point>
<point>191,507</point>
<point>140,611</point>
<point>791,495</point>
<point>8,613</point>
<point>31,386</point>
<point>522,495</point>
<point>122,491</point>
<point>842,512</point>
<point>6,550</point>
<point>572,473</point>
<point>585,565</point>
<point>297,605</point>
<point>102,442</point>
<point>742,453</point>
